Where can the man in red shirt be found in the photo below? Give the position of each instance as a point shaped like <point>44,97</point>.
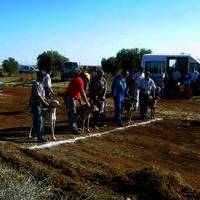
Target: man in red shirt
<point>73,94</point>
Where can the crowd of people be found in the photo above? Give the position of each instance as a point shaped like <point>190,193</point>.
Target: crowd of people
<point>91,89</point>
<point>138,87</point>
<point>176,83</point>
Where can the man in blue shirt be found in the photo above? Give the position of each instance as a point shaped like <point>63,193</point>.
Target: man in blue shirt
<point>119,89</point>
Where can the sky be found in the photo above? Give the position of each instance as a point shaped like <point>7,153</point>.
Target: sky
<point>85,31</point>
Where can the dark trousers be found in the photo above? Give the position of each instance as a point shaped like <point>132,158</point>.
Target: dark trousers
<point>144,98</point>
<point>118,109</point>
<point>100,117</point>
<point>38,125</point>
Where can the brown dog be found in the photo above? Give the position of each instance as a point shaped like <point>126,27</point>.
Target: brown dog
<point>84,112</point>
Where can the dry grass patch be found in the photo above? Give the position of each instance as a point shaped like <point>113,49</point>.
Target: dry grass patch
<point>20,184</point>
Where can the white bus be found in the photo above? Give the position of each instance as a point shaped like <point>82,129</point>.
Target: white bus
<point>165,63</point>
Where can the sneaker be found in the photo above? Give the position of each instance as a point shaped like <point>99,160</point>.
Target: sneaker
<point>119,124</point>
<point>77,132</point>
<point>104,125</point>
<point>42,140</point>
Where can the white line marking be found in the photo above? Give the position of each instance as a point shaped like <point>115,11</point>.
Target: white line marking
<point>69,141</point>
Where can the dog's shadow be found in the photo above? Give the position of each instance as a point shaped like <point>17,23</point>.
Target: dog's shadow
<point>20,134</point>
<point>17,135</point>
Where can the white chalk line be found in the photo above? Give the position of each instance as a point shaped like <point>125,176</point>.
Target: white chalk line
<point>73,140</point>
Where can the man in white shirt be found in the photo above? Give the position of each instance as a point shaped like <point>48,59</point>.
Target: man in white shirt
<point>147,90</point>
<point>47,85</point>
<point>138,76</point>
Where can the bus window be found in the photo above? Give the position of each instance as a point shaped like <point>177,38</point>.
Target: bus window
<point>155,66</point>
<point>172,63</point>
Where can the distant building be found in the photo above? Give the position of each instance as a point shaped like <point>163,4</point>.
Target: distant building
<point>27,69</point>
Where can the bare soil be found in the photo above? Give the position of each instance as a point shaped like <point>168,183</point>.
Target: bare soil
<point>91,168</point>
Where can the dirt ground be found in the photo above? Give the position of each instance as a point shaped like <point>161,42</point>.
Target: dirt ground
<point>171,146</point>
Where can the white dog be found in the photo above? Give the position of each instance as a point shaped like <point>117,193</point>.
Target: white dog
<point>49,115</point>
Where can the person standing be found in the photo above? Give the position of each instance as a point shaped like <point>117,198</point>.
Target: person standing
<point>130,82</point>
<point>36,103</point>
<point>73,93</point>
<point>97,90</point>
<point>119,89</point>
<point>147,89</point>
<point>176,76</point>
<point>187,86</point>
<point>158,78</point>
<point>138,76</point>
<point>194,74</point>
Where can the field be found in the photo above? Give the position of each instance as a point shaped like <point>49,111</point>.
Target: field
<point>160,160</point>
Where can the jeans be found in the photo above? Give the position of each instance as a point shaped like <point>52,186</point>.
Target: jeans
<point>144,105</point>
<point>118,109</point>
<point>70,103</point>
<point>38,125</point>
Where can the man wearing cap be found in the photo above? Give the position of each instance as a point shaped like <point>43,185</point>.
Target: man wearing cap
<point>36,103</point>
<point>147,88</point>
<point>73,93</point>
<point>97,90</point>
<point>119,89</point>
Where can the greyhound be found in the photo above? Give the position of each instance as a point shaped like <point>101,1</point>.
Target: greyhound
<point>130,107</point>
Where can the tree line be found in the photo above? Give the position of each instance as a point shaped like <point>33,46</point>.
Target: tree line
<point>53,60</point>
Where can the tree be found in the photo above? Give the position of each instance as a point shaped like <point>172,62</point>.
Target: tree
<point>10,66</point>
<point>125,59</point>
<point>51,61</point>
<point>109,65</point>
<point>131,58</point>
